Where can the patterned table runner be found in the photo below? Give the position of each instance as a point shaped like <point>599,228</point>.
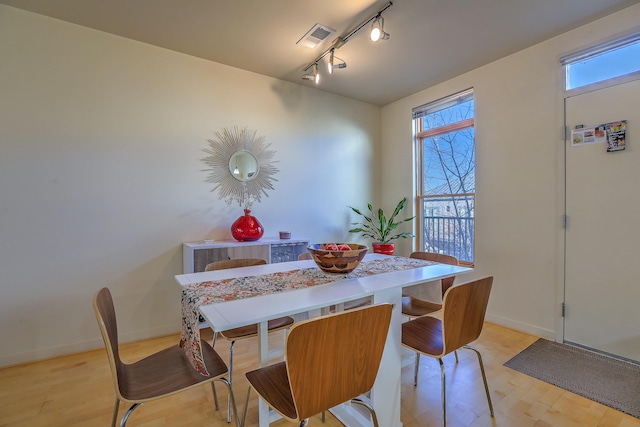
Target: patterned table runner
<point>197,294</point>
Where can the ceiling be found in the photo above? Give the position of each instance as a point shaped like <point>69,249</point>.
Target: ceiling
<point>431,40</point>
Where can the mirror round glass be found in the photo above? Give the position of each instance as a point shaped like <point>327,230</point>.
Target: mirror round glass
<point>243,166</point>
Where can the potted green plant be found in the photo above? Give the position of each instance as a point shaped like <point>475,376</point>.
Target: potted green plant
<point>381,229</point>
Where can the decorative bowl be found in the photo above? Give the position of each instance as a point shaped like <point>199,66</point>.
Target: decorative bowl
<point>337,261</point>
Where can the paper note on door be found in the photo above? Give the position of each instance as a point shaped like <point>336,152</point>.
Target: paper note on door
<point>588,135</point>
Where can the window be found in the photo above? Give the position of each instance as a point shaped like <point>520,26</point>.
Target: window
<point>614,60</point>
<point>446,163</point>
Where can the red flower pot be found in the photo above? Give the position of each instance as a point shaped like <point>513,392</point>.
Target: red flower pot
<point>384,248</point>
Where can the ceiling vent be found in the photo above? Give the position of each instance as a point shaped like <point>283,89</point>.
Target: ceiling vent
<point>316,35</point>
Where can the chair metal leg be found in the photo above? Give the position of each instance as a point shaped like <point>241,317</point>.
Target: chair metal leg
<point>232,399</point>
<point>215,395</point>
<point>360,402</point>
<point>443,389</point>
<point>304,423</point>
<point>246,405</point>
<point>484,377</point>
<point>415,373</point>
<point>230,380</point>
<point>115,413</point>
<point>456,353</point>
<point>124,419</point>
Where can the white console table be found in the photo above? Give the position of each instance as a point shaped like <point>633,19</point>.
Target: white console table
<point>196,255</point>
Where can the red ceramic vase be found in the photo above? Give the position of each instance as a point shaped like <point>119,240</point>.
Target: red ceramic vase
<point>384,248</point>
<point>247,228</point>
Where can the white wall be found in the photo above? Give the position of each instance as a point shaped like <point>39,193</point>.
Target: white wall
<point>101,178</point>
<point>519,171</point>
<point>100,174</point>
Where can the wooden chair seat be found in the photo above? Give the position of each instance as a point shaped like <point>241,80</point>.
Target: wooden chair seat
<point>249,331</point>
<point>415,307</point>
<point>357,303</point>
<point>273,381</point>
<point>166,372</point>
<point>424,336</point>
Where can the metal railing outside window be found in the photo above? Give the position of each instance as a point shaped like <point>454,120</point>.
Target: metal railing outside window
<point>451,230</point>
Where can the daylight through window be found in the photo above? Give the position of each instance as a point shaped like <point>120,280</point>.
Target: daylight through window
<point>446,186</point>
<point>607,62</point>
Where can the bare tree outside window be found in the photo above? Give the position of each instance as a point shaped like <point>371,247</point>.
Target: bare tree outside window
<point>446,141</point>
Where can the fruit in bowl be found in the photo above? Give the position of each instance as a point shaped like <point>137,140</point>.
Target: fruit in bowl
<point>339,258</point>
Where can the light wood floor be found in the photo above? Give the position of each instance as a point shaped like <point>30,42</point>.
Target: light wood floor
<point>77,390</point>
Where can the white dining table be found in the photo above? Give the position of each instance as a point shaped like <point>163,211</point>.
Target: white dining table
<point>315,300</point>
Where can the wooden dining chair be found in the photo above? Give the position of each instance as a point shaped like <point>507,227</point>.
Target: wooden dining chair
<point>244,332</point>
<point>329,360</point>
<point>414,307</point>
<point>463,312</point>
<point>161,374</point>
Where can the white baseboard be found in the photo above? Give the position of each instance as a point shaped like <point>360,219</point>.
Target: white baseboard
<point>522,327</point>
<point>79,347</point>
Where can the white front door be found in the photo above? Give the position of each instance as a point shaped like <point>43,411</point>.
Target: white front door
<point>602,261</point>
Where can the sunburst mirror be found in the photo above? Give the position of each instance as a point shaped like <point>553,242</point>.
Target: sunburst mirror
<point>240,165</point>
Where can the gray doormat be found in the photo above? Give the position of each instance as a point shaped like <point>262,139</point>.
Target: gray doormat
<point>612,382</point>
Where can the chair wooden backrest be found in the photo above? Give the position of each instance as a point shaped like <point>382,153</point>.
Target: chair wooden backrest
<point>441,258</point>
<point>463,311</point>
<point>335,358</point>
<point>234,263</point>
<point>106,315</point>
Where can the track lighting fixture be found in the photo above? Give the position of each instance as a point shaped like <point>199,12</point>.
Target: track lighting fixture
<point>377,33</point>
<point>377,29</point>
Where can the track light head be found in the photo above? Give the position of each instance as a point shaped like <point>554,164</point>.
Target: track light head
<point>377,29</point>
<point>315,77</point>
<point>335,63</point>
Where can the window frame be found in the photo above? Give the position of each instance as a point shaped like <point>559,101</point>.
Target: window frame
<point>602,48</point>
<point>419,136</point>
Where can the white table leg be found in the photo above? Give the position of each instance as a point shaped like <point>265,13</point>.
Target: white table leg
<point>385,396</point>
<point>263,353</point>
